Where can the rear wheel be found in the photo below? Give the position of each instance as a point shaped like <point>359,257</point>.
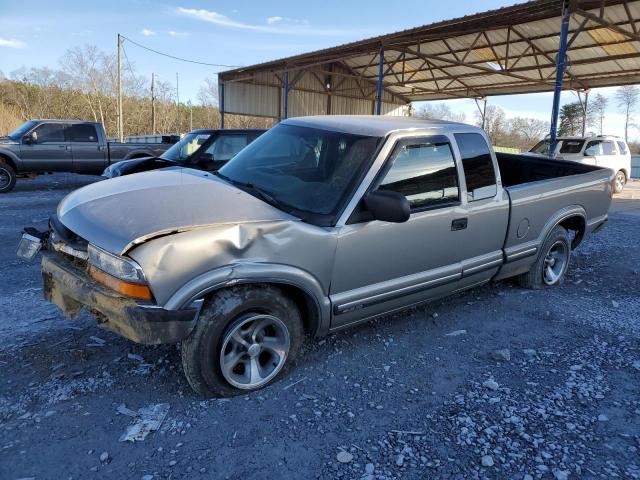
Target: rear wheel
<point>619,181</point>
<point>246,337</point>
<point>552,263</point>
<point>7,177</point>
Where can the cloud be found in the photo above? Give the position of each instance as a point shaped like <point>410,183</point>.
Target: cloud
<point>12,43</point>
<point>279,25</point>
<point>174,34</point>
<point>147,33</point>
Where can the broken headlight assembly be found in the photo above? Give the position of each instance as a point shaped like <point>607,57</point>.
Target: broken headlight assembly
<point>118,273</point>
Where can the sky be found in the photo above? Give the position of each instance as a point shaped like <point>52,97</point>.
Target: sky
<point>233,33</point>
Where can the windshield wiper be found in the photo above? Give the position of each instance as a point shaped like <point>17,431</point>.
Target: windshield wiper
<point>260,192</point>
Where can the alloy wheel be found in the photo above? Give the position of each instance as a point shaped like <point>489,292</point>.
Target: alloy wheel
<point>254,350</point>
<point>555,263</point>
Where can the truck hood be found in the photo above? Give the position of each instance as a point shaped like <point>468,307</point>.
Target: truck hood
<point>7,141</point>
<point>122,212</point>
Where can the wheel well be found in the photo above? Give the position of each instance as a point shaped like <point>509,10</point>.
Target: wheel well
<point>8,161</point>
<point>309,309</point>
<point>578,226</point>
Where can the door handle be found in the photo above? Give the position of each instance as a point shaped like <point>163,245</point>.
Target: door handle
<point>62,146</point>
<point>459,224</point>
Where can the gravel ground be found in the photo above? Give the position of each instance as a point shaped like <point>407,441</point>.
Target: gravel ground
<point>497,382</point>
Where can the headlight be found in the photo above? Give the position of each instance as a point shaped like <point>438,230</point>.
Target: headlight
<point>116,266</point>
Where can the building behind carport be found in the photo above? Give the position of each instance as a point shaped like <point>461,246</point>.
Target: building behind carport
<point>511,50</point>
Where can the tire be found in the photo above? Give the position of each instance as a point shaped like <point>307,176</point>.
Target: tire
<point>619,182</point>
<point>257,315</point>
<point>7,177</point>
<point>551,266</point>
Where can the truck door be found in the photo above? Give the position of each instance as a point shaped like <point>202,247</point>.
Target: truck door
<point>451,239</point>
<point>46,149</point>
<point>89,156</point>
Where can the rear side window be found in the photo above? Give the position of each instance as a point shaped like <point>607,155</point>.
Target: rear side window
<point>571,146</point>
<point>477,165</point>
<point>424,171</point>
<point>623,148</point>
<point>50,132</point>
<point>83,133</point>
<point>608,148</point>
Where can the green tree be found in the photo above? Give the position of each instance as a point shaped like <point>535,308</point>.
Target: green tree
<point>570,119</point>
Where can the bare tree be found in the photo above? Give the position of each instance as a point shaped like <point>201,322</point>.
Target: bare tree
<point>598,108</point>
<point>627,97</point>
<point>439,111</point>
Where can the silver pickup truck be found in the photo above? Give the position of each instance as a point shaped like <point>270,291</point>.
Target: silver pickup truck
<point>77,146</point>
<point>320,224</point>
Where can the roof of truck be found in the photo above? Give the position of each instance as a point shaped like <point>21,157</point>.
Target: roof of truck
<point>375,125</point>
<point>59,120</point>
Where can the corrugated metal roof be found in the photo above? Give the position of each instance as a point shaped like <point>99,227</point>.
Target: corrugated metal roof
<point>505,51</point>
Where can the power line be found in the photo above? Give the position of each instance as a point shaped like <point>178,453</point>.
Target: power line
<point>180,58</point>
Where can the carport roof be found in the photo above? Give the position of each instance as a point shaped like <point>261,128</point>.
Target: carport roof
<point>505,51</point>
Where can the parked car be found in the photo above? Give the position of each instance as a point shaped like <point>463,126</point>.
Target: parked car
<point>605,151</point>
<point>40,146</point>
<point>318,225</point>
<point>201,149</point>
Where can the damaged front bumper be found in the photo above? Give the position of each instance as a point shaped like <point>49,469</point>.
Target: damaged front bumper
<point>71,289</point>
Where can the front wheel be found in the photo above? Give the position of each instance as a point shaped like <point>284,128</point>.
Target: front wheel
<point>7,177</point>
<point>619,181</point>
<point>246,337</point>
<point>552,263</point>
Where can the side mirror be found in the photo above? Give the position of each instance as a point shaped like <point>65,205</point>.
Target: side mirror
<point>590,152</point>
<point>388,206</point>
<point>30,138</point>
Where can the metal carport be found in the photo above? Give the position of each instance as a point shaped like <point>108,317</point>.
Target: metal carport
<point>510,50</point>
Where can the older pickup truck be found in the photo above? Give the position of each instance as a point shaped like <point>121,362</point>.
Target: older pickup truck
<point>40,146</point>
<point>319,224</point>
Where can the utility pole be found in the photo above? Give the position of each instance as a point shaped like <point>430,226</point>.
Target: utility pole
<point>177,104</point>
<point>483,110</point>
<point>153,103</point>
<point>190,116</point>
<point>120,123</point>
<point>584,104</point>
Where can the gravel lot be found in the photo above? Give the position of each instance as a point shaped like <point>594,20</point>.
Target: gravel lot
<point>498,382</point>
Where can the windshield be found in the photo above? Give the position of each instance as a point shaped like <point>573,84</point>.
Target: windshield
<point>302,169</point>
<point>19,132</point>
<point>187,145</point>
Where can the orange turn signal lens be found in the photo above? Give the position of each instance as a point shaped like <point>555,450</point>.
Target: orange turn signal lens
<point>128,289</point>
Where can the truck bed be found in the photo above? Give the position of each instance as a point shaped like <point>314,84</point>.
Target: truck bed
<point>519,169</point>
<point>542,192</point>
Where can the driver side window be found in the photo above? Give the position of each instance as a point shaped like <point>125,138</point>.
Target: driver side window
<point>50,133</point>
<point>424,171</point>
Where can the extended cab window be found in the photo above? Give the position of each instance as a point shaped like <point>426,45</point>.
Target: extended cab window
<point>83,133</point>
<point>50,132</point>
<point>478,166</point>
<point>424,172</point>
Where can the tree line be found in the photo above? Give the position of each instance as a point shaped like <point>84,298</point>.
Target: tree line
<point>516,132</point>
<point>84,86</point>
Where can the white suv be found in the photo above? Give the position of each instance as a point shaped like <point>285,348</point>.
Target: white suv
<point>603,150</point>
